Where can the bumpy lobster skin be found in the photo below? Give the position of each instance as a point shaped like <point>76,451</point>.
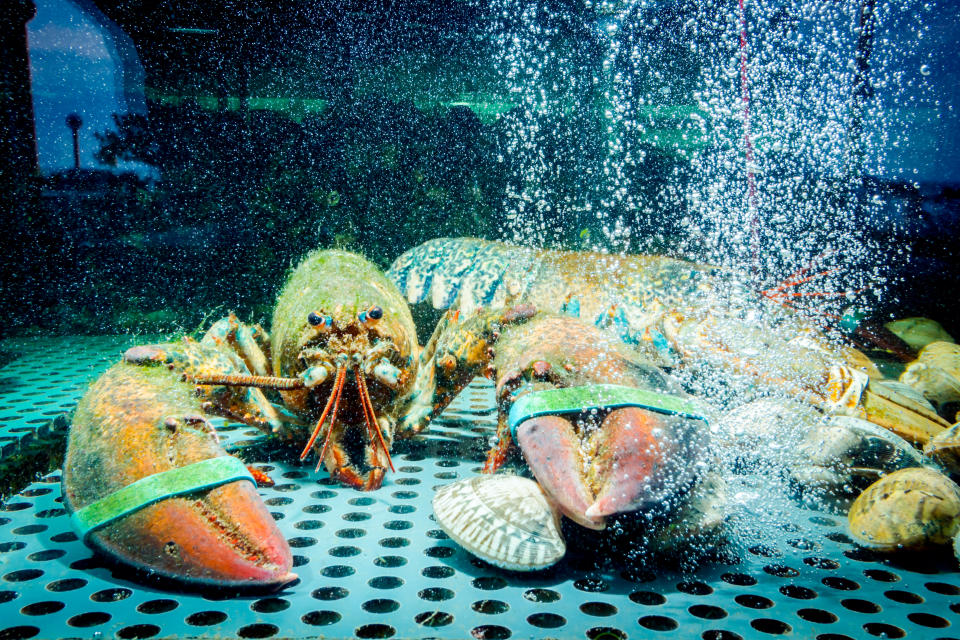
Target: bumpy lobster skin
<point>343,284</point>
<point>136,421</point>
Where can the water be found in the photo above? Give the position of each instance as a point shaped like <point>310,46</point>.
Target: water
<point>806,148</point>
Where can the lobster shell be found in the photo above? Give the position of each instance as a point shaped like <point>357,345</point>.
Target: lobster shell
<point>137,421</point>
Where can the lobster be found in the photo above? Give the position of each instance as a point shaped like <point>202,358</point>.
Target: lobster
<point>697,321</point>
<point>647,313</point>
<point>145,479</point>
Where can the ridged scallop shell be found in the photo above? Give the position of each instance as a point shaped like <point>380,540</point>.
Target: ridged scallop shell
<point>911,509</point>
<point>503,519</point>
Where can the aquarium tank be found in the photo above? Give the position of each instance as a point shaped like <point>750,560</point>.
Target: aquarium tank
<point>485,319</point>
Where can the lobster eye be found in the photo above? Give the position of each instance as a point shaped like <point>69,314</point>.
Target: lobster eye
<point>315,319</point>
<point>375,312</point>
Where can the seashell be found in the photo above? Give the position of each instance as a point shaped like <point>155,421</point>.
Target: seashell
<point>503,519</point>
<point>918,332</point>
<point>763,432</point>
<point>845,454</point>
<point>909,509</point>
<point>936,373</point>
<point>886,406</point>
<point>944,449</point>
<point>904,390</point>
<point>855,443</point>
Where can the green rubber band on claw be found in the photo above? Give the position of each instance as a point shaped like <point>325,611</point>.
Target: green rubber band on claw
<point>198,476</point>
<point>595,396</point>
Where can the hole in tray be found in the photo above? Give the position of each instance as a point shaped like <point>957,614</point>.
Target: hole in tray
<point>818,616</point>
<point>739,579</point>
<point>380,605</point>
<point>375,631</point>
<point>330,593</point>
<point>490,632</point>
<point>771,625</point>
<point>321,618</point>
<point>258,630</point>
<point>490,607</point>
<point>546,620</point>
<point>658,623</point>
<point>883,630</point>
<point>541,595</point>
<point>707,612</point>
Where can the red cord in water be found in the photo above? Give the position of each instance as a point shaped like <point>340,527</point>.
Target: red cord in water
<point>747,145</point>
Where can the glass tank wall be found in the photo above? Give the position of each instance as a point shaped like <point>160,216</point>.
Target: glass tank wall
<point>218,144</point>
<point>692,265</point>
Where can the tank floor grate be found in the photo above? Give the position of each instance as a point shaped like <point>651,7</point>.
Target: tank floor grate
<point>375,565</point>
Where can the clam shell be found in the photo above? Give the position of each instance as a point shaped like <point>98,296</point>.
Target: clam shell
<point>918,332</point>
<point>934,383</point>
<point>503,519</point>
<point>944,449</point>
<point>908,509</point>
<point>902,454</point>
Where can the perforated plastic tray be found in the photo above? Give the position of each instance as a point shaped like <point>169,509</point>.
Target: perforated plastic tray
<point>47,380</point>
<point>375,565</point>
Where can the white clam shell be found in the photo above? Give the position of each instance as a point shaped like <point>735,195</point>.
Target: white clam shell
<point>503,519</point>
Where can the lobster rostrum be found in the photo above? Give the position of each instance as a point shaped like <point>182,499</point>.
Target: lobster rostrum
<point>145,477</point>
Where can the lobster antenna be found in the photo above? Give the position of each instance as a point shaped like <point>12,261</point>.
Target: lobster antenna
<point>323,416</point>
<point>363,404</point>
<point>794,283</point>
<point>341,378</point>
<point>368,406</point>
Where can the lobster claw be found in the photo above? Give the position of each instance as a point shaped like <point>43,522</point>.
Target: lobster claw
<point>552,451</point>
<point>644,459</point>
<point>180,507</point>
<point>638,460</point>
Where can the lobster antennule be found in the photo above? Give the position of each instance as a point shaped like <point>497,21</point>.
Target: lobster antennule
<point>323,416</point>
<point>341,378</point>
<point>240,380</point>
<point>368,411</point>
<point>363,404</point>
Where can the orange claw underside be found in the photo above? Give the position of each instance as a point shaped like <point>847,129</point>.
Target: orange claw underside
<point>208,540</point>
<point>631,466</point>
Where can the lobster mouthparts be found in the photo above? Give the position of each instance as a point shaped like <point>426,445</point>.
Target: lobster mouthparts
<point>636,460</point>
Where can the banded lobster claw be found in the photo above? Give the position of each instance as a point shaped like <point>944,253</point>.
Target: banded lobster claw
<point>147,484</point>
<point>636,460</point>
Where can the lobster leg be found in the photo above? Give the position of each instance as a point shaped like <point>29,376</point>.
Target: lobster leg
<point>251,343</point>
<point>498,453</point>
<point>458,351</point>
